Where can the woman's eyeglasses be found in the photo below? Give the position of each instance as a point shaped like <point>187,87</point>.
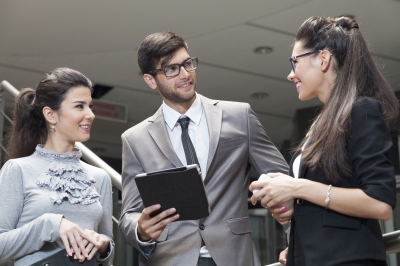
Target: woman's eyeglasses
<point>292,62</point>
<point>301,55</point>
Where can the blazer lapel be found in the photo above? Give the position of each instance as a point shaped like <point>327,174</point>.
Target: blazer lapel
<point>302,169</point>
<point>160,135</point>
<point>214,120</point>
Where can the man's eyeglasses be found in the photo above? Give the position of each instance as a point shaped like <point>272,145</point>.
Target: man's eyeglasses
<point>301,55</point>
<point>173,70</point>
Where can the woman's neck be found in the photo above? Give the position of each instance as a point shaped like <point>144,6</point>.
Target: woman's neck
<point>58,146</point>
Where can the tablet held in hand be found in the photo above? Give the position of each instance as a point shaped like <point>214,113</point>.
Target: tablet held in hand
<point>181,188</point>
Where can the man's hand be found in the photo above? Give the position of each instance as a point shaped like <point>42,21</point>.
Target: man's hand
<point>150,228</point>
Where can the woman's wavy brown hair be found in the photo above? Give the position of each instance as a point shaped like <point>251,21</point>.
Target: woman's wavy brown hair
<point>357,77</point>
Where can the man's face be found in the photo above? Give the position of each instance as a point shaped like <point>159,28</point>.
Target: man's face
<point>181,88</point>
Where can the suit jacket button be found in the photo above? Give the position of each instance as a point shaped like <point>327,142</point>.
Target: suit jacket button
<point>202,227</point>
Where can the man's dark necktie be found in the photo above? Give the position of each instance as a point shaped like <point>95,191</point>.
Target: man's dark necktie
<point>190,152</point>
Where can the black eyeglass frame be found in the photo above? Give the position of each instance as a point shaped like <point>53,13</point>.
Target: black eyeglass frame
<point>301,55</point>
<point>193,59</point>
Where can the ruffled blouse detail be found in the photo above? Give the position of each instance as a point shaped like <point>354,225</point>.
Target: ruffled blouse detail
<point>66,179</point>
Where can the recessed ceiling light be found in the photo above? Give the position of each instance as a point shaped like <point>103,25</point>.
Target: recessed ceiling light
<point>263,50</point>
<point>259,95</point>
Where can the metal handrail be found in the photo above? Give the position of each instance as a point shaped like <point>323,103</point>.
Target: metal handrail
<point>9,88</point>
<point>391,241</point>
<point>95,160</point>
<point>87,154</point>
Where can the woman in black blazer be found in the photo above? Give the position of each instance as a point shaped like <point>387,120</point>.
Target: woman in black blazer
<point>344,181</point>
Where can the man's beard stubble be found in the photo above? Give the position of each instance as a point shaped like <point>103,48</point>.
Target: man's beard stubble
<point>174,96</point>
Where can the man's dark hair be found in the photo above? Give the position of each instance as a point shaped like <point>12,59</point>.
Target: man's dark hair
<point>156,47</point>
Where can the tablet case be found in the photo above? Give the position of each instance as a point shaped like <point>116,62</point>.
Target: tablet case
<point>179,188</point>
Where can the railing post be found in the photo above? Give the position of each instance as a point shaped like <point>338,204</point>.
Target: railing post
<point>119,257</point>
<point>389,227</point>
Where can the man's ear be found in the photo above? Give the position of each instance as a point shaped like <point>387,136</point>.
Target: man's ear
<point>49,115</point>
<point>150,81</point>
<point>326,60</point>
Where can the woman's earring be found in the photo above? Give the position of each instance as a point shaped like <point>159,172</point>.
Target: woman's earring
<point>53,127</point>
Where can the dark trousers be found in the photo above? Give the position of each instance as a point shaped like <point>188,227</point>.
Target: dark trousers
<point>206,262</point>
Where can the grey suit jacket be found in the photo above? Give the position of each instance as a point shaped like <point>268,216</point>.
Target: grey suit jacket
<point>237,140</point>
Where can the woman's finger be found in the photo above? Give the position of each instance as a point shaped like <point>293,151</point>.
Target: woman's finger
<point>92,252</point>
<point>64,239</point>
<point>88,236</point>
<point>283,256</point>
<point>79,240</point>
<point>101,239</point>
<point>74,244</point>
<point>89,247</point>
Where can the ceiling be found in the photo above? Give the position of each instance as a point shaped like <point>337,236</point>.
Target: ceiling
<point>100,38</point>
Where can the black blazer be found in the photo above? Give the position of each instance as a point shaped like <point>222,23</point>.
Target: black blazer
<point>327,237</point>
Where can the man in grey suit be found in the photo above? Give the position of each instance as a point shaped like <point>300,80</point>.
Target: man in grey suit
<point>227,138</point>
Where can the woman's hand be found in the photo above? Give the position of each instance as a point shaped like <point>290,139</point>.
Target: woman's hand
<point>277,190</point>
<point>282,215</point>
<point>91,249</point>
<point>283,256</point>
<point>72,236</point>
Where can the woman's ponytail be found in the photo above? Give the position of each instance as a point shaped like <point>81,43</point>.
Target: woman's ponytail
<point>29,127</point>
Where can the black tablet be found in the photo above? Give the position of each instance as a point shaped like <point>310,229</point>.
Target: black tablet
<point>181,188</point>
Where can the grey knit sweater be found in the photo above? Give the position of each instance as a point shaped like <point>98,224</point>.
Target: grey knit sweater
<point>37,191</point>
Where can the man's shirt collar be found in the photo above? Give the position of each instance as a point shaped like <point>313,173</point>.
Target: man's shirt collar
<point>194,113</point>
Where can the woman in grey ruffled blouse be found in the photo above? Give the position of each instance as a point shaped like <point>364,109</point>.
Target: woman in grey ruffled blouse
<point>49,198</point>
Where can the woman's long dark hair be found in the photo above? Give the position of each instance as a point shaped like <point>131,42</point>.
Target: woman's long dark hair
<point>357,77</point>
<point>29,125</point>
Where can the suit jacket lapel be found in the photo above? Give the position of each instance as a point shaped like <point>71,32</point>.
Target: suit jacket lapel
<point>214,120</point>
<point>160,135</point>
<point>302,169</point>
